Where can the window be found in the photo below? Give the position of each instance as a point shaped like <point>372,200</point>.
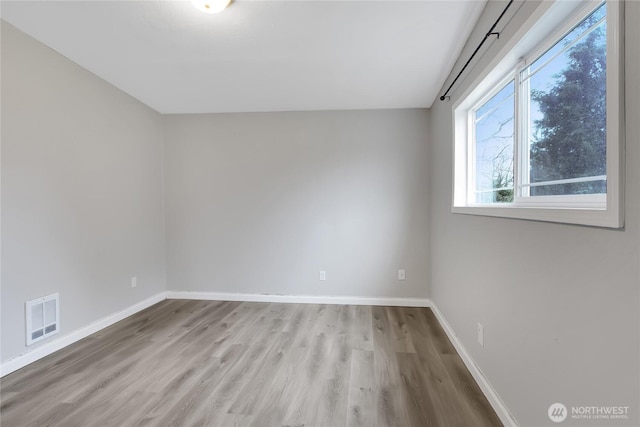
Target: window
<point>540,139</point>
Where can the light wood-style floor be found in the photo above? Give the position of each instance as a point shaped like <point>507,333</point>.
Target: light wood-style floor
<point>210,363</point>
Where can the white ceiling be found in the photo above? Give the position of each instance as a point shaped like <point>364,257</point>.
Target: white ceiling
<point>259,55</point>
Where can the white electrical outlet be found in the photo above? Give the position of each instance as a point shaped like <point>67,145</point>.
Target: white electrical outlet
<point>402,275</point>
<point>134,281</point>
<point>323,275</point>
<point>480,334</point>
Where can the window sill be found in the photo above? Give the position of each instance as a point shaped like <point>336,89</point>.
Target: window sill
<point>590,217</point>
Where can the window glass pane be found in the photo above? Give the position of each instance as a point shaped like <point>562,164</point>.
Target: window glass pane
<point>592,187</point>
<point>579,31</point>
<point>494,130</point>
<point>567,113</point>
<point>498,99</point>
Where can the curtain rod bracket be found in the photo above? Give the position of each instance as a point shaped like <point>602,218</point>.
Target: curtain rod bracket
<point>442,98</point>
<point>486,36</point>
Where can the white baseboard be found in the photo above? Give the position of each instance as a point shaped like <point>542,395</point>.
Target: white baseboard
<point>496,402</point>
<point>65,340</point>
<point>301,299</point>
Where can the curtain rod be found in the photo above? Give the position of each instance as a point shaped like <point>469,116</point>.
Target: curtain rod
<point>486,36</point>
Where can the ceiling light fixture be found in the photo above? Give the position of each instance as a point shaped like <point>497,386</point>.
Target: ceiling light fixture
<point>210,6</point>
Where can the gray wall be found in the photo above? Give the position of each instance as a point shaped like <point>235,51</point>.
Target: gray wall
<point>559,303</point>
<point>259,203</point>
<point>81,191</point>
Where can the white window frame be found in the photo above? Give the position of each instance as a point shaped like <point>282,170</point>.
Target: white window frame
<point>550,22</point>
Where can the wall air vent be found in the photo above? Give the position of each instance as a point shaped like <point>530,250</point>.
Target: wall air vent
<point>43,318</point>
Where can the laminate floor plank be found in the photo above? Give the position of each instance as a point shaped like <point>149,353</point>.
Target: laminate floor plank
<point>119,411</point>
<point>230,386</point>
<point>436,333</point>
<point>390,409</point>
<point>403,337</point>
<point>362,390</point>
<point>17,407</point>
<point>216,363</point>
<point>417,392</point>
<point>469,392</point>
<point>242,318</point>
<point>334,384</point>
<point>363,334</point>
<point>282,391</point>
<point>251,398</point>
<point>185,409</point>
<point>251,326</point>
<point>444,394</point>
